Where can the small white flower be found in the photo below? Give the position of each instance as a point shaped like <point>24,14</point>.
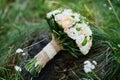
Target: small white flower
<point>87,62</point>
<point>18,68</point>
<point>23,54</point>
<point>94,62</point>
<point>19,50</point>
<point>87,70</point>
<point>92,66</point>
<point>104,5</point>
<point>110,8</point>
<point>88,66</point>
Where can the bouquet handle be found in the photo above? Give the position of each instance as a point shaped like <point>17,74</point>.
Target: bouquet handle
<point>45,55</point>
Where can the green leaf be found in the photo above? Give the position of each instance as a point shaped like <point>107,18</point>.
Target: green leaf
<point>30,66</point>
<point>84,42</point>
<point>78,29</point>
<point>56,33</point>
<point>73,16</point>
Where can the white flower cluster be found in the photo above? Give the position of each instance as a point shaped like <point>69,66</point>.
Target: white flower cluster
<point>19,50</point>
<point>89,66</point>
<point>18,68</point>
<point>76,30</point>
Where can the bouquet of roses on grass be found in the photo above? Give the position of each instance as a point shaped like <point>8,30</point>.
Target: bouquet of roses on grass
<point>70,32</point>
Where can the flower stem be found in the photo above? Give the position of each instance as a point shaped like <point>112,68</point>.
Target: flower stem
<point>46,54</point>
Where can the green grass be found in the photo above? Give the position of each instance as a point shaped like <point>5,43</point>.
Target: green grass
<point>20,20</point>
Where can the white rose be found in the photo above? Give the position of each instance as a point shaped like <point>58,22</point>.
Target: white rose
<point>85,49</point>
<point>67,12</point>
<point>76,17</point>
<point>79,40</point>
<point>72,33</point>
<point>59,18</point>
<point>86,30</point>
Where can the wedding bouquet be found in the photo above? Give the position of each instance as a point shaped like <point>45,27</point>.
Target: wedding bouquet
<point>70,32</point>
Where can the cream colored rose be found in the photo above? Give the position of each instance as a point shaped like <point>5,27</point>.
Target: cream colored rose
<point>67,22</point>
